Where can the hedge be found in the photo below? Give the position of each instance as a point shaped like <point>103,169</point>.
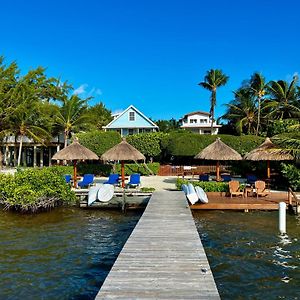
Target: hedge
<point>292,174</point>
<point>33,189</point>
<point>208,186</point>
<point>140,168</point>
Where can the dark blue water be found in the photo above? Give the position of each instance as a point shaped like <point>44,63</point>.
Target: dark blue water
<point>63,254</point>
<point>248,257</point>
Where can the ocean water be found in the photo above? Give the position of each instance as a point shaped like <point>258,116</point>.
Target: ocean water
<point>248,257</point>
<point>62,254</point>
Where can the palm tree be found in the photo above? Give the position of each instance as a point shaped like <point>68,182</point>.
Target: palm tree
<point>242,111</point>
<point>212,80</point>
<point>258,88</point>
<point>284,99</point>
<point>71,116</point>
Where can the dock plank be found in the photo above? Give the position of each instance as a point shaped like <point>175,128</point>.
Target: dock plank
<point>163,257</point>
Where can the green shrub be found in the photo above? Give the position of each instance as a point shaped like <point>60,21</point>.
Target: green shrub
<point>95,168</point>
<point>99,141</point>
<point>208,186</point>
<point>292,174</point>
<point>32,189</point>
<point>140,168</point>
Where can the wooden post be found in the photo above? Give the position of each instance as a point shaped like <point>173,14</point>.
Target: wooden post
<point>218,170</point>
<point>57,150</point>
<point>75,174</point>
<point>49,154</point>
<point>268,169</point>
<point>34,155</point>
<point>123,173</point>
<point>41,157</point>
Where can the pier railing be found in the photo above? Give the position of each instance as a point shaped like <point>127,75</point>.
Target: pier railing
<point>294,200</point>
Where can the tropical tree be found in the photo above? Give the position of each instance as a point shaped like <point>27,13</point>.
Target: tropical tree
<point>167,125</point>
<point>213,80</point>
<point>98,116</point>
<point>258,89</point>
<point>284,99</point>
<point>71,116</point>
<point>242,111</point>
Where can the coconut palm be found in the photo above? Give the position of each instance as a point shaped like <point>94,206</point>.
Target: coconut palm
<point>212,80</point>
<point>284,99</point>
<point>242,111</point>
<point>71,116</point>
<point>258,89</point>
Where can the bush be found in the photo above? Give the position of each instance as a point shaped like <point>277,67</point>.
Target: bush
<point>32,189</point>
<point>140,168</point>
<point>292,174</point>
<point>99,141</point>
<point>208,186</point>
<point>95,168</point>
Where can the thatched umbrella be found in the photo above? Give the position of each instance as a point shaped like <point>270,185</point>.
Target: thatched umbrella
<point>268,151</point>
<point>218,151</point>
<point>122,151</point>
<point>75,152</point>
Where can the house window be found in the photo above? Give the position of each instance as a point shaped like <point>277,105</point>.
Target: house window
<point>207,132</point>
<point>193,121</point>
<point>131,116</point>
<point>203,121</point>
<point>130,131</point>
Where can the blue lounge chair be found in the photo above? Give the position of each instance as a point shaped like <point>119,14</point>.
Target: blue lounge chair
<point>226,177</point>
<point>251,179</point>
<point>204,177</point>
<point>68,178</point>
<point>135,180</point>
<point>113,179</point>
<point>87,180</point>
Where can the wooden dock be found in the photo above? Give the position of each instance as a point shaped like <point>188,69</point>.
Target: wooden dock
<point>163,257</point>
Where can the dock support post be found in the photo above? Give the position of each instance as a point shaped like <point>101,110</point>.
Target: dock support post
<point>282,217</point>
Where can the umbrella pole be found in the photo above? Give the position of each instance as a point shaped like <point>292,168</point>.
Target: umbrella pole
<point>268,169</point>
<point>218,170</point>
<point>123,173</point>
<point>75,174</point>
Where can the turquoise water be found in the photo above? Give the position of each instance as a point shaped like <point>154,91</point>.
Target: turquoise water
<point>63,254</point>
<point>248,257</point>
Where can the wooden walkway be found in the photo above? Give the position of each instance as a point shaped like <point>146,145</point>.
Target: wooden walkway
<point>163,258</point>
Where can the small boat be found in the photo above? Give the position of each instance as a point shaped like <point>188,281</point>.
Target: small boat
<point>105,193</point>
<point>191,194</point>
<point>93,192</point>
<point>201,194</point>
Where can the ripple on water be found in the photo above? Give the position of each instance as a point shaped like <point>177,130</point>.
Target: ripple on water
<point>63,254</point>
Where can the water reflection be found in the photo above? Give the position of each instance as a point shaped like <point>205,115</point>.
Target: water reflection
<point>248,257</point>
<point>63,254</point>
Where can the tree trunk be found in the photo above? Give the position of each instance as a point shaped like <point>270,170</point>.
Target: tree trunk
<point>258,116</point>
<point>66,133</point>
<point>212,109</point>
<point>20,151</point>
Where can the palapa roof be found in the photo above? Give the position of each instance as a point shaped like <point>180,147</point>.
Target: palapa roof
<point>123,151</point>
<point>268,151</point>
<point>75,151</point>
<point>218,151</point>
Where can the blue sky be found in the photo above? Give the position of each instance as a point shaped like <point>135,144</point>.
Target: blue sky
<point>152,54</point>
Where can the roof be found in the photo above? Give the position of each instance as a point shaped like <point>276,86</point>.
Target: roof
<point>199,112</point>
<point>124,112</point>
<point>218,150</point>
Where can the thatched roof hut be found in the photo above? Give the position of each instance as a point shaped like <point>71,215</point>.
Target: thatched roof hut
<point>267,151</point>
<point>75,152</point>
<point>218,151</point>
<point>123,151</point>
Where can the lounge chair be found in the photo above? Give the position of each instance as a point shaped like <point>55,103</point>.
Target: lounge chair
<point>234,189</point>
<point>203,177</point>
<point>134,181</point>
<point>260,189</point>
<point>113,179</point>
<point>87,180</point>
<point>251,179</point>
<point>226,177</point>
<point>68,178</point>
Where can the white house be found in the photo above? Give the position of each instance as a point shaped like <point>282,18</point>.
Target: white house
<point>199,122</point>
<point>131,121</point>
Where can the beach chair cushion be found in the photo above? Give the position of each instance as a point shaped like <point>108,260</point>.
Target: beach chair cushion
<point>87,180</point>
<point>113,179</point>
<point>68,178</point>
<point>135,180</point>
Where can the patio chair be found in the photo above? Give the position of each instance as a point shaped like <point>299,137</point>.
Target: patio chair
<point>226,177</point>
<point>134,181</point>
<point>260,189</point>
<point>251,179</point>
<point>113,179</point>
<point>203,177</point>
<point>234,189</point>
<point>87,180</point>
<point>68,178</point>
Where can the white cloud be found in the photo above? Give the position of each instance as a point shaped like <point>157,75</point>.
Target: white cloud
<point>81,89</point>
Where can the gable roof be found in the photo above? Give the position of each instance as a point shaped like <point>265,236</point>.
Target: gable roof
<point>125,111</point>
<point>199,112</point>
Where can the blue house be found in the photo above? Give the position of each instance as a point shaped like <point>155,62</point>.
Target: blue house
<point>131,121</point>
